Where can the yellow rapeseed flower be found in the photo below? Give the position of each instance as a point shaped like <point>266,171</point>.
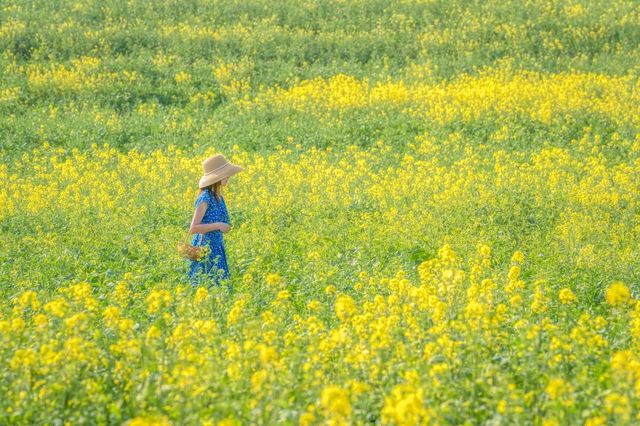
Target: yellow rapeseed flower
<point>617,294</point>
<point>153,420</point>
<point>556,388</point>
<point>566,296</point>
<point>335,400</point>
<point>345,307</point>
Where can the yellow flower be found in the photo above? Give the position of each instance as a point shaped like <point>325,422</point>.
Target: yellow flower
<point>556,388</point>
<point>17,324</point>
<point>518,257</point>
<point>41,321</point>
<point>202,295</point>
<point>266,354</point>
<point>617,294</point>
<point>596,421</point>
<point>484,250</point>
<point>473,310</point>
<point>22,358</point>
<point>314,305</point>
<point>283,295</point>
<point>57,307</point>
<point>618,404</point>
<point>247,278</point>
<point>257,380</point>
<point>28,299</point>
<point>515,300</point>
<point>335,401</point>
<point>229,421</point>
<point>77,322</point>
<point>155,420</point>
<point>345,307</point>
<point>111,316</point>
<point>306,419</point>
<point>235,311</point>
<point>600,322</point>
<point>158,299</point>
<point>514,273</point>
<point>566,296</point>
<point>182,77</point>
<point>274,279</point>
<point>153,333</point>
<point>404,406</point>
<point>121,294</point>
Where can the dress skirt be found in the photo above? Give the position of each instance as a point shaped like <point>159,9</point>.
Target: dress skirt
<point>213,268</point>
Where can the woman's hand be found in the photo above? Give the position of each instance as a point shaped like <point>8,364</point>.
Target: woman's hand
<point>224,227</point>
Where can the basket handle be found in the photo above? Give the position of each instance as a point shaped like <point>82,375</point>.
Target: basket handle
<point>186,237</point>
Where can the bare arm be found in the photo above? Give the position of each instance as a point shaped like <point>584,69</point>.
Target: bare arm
<point>197,227</point>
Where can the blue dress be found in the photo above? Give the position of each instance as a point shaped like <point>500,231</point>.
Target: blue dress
<point>213,267</point>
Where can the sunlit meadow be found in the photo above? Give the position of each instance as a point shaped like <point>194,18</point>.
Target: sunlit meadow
<point>437,221</point>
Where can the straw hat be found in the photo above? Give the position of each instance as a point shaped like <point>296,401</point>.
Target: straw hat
<point>217,168</point>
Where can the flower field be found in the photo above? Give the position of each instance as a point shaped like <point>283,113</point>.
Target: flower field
<point>437,221</point>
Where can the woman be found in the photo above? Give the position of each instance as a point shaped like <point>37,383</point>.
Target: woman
<point>211,220</point>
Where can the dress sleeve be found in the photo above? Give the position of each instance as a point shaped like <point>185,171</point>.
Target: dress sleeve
<point>204,196</point>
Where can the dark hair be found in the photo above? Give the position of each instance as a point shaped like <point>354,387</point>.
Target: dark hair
<point>214,190</point>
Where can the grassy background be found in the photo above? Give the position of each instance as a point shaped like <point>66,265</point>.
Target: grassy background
<point>372,134</point>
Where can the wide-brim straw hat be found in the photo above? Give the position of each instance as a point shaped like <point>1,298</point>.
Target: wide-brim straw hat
<point>217,168</point>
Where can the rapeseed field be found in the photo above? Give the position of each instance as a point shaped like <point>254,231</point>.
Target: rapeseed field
<point>437,221</point>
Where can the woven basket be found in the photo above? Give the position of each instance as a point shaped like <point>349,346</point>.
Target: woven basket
<point>189,251</point>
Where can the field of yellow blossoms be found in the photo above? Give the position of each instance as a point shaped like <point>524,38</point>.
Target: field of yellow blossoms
<point>438,220</point>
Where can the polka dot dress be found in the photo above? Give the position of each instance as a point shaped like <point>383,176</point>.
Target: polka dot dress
<point>212,268</point>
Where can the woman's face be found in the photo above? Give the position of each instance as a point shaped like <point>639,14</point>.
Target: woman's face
<point>224,181</point>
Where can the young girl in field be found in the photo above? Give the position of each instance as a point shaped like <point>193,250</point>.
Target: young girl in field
<point>210,220</point>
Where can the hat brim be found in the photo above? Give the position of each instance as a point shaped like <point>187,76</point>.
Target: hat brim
<point>213,178</point>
